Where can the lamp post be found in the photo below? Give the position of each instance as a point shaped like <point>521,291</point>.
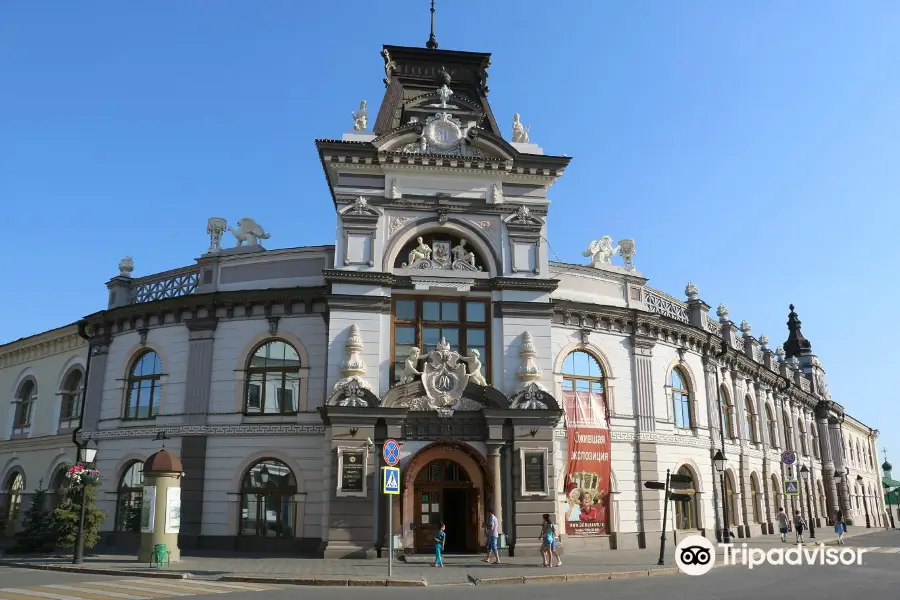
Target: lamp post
<point>804,475</point>
<point>86,456</point>
<point>720,461</point>
<point>859,480</point>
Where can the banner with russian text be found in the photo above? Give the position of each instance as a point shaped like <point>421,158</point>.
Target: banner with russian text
<point>587,464</point>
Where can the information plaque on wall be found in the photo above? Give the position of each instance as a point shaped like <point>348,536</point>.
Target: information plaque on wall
<point>353,471</point>
<point>535,474</point>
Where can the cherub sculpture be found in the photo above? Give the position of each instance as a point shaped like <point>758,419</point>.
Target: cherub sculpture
<point>474,364</point>
<point>410,367</point>
<point>248,231</point>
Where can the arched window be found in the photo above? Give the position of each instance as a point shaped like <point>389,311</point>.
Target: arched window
<point>852,457</point>
<point>859,456</point>
<point>788,438</point>
<point>273,379</point>
<point>681,400</point>
<point>725,408</point>
<point>584,386</point>
<point>856,490</point>
<point>267,500</point>
<point>129,496</point>
<point>58,487</point>
<point>71,397</point>
<point>144,387</point>
<point>15,485</point>
<point>755,499</point>
<point>686,512</point>
<point>25,404</point>
<point>749,421</point>
<point>801,433</point>
<point>773,426</point>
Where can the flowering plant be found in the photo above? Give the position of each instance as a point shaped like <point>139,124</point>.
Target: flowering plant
<point>83,476</point>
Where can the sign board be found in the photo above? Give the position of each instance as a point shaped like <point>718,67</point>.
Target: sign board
<point>788,457</point>
<point>391,480</point>
<point>791,487</point>
<point>680,497</point>
<point>173,510</point>
<point>391,452</point>
<point>352,471</point>
<point>654,485</point>
<point>534,476</point>
<point>148,509</point>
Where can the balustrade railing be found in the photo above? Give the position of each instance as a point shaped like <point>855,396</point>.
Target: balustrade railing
<point>169,284</point>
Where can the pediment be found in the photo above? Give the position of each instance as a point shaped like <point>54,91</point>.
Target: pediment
<point>413,396</point>
<point>360,211</point>
<point>522,221</point>
<point>442,134</point>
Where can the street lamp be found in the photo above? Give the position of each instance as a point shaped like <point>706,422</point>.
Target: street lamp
<point>804,475</point>
<point>859,480</point>
<point>86,456</point>
<point>720,461</point>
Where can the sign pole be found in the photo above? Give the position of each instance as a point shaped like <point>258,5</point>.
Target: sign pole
<point>662,539</point>
<point>390,536</point>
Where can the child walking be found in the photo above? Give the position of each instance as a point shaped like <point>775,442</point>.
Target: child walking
<point>439,538</point>
<point>548,543</point>
<point>799,526</point>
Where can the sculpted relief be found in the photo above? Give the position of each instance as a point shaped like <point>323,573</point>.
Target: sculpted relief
<point>439,254</point>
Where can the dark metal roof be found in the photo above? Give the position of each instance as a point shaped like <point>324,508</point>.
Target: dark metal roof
<point>796,344</point>
<point>411,72</point>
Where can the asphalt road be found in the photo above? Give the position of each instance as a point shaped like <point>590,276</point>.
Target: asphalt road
<point>877,577</point>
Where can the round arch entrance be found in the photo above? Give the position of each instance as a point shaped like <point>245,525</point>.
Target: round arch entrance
<point>445,483</point>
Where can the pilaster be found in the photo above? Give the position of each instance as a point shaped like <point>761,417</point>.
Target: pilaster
<point>828,466</point>
<point>650,505</point>
<point>201,336</point>
<point>93,396</point>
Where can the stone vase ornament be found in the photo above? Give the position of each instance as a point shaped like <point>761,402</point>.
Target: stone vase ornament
<point>126,266</point>
<point>215,227</point>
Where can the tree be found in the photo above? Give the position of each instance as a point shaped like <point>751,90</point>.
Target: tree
<point>38,534</point>
<point>67,514</point>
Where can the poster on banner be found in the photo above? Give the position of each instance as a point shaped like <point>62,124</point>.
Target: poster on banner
<point>148,509</point>
<point>587,464</point>
<point>173,510</point>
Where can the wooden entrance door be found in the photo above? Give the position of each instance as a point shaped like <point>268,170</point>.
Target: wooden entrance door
<point>444,493</point>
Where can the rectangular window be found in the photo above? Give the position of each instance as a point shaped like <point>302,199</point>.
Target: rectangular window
<point>422,322</point>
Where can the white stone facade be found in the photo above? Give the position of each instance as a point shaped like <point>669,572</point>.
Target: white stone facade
<point>208,391</point>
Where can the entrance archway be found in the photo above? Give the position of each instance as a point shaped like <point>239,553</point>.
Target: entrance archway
<point>445,483</point>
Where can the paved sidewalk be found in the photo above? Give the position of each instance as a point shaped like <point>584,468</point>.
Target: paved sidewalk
<point>459,570</point>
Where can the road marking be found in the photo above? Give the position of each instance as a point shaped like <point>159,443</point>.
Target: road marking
<point>134,588</point>
<point>38,594</point>
<point>91,593</point>
<point>236,586</point>
<point>177,588</point>
<point>892,550</point>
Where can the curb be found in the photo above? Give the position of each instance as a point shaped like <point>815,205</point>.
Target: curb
<point>327,581</point>
<point>97,571</point>
<point>573,577</point>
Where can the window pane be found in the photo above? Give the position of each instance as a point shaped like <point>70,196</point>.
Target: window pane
<point>475,312</point>
<point>404,335</point>
<point>449,311</point>
<point>431,311</point>
<point>451,334</point>
<point>475,337</point>
<point>405,310</point>
<point>430,337</point>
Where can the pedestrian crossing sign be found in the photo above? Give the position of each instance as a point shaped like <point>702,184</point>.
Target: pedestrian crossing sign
<point>391,480</point>
<point>791,487</point>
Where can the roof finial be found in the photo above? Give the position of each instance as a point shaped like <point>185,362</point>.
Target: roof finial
<point>432,44</point>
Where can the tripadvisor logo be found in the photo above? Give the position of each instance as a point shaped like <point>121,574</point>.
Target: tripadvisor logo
<point>696,555</point>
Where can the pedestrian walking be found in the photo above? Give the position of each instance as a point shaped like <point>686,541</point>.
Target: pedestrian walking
<point>782,523</point>
<point>493,531</point>
<point>840,527</point>
<point>439,538</point>
<point>799,526</point>
<point>548,543</point>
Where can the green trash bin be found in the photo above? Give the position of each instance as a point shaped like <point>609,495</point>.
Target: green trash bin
<point>159,556</point>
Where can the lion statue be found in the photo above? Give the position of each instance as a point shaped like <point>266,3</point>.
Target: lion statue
<point>248,231</point>
<point>601,251</point>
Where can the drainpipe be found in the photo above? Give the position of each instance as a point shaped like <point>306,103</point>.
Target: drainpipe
<point>87,372</point>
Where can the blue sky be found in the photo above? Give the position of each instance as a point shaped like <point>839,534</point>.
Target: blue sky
<point>748,147</point>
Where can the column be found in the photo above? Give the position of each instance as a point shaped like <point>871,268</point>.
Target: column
<point>763,433</point>
<point>497,498</point>
<point>650,507</point>
<point>831,501</point>
<point>712,406</point>
<point>837,441</point>
<point>737,402</point>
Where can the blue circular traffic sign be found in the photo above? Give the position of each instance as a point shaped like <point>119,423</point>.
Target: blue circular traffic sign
<point>788,457</point>
<point>391,452</point>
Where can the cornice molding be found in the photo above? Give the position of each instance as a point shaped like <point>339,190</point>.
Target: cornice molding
<point>41,346</point>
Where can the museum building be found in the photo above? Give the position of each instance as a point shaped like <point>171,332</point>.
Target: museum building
<point>514,384</point>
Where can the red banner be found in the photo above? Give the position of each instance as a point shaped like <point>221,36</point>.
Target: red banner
<point>587,467</point>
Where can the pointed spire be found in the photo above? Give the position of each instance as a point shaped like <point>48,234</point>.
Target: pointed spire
<point>432,44</point>
<point>796,344</point>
